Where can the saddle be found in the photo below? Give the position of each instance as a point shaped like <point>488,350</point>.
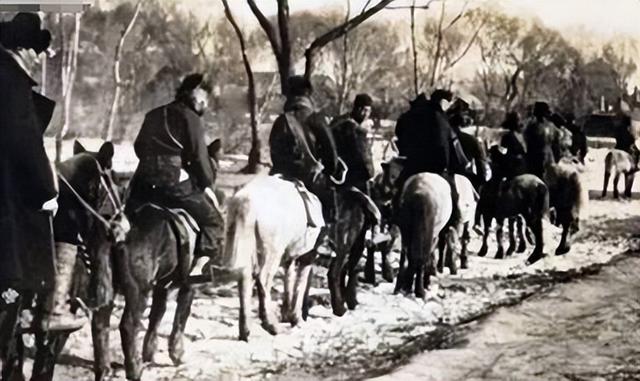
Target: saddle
<point>186,231</point>
<point>312,204</point>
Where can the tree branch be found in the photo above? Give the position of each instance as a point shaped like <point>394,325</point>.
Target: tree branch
<point>337,32</point>
<point>267,27</point>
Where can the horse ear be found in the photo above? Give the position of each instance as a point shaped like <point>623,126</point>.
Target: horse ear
<point>78,148</point>
<point>214,148</point>
<point>105,154</point>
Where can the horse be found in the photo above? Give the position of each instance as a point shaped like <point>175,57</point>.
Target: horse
<point>523,196</point>
<point>88,201</point>
<point>618,162</point>
<point>155,256</point>
<point>568,197</point>
<point>424,209</point>
<point>267,227</point>
<point>467,203</point>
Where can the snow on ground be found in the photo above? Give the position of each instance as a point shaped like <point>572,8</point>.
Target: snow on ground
<point>385,328</point>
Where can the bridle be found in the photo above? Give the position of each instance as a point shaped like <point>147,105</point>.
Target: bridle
<point>112,196</point>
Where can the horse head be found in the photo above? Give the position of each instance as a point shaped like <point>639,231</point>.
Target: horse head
<point>88,190</point>
<point>391,170</point>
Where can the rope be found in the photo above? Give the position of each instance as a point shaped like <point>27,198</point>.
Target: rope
<point>82,202</point>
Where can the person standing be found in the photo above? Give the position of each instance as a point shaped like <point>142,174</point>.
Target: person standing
<point>28,190</point>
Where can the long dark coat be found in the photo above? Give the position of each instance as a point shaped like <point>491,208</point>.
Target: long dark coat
<point>353,148</point>
<point>26,181</point>
<point>297,134</point>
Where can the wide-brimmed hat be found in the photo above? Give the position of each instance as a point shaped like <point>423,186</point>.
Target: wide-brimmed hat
<point>25,31</point>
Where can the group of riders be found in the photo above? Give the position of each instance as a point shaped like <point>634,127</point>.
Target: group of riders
<point>176,171</point>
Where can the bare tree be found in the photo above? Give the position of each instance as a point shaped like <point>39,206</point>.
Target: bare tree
<point>107,132</point>
<point>69,65</point>
<point>281,43</point>
<point>254,152</point>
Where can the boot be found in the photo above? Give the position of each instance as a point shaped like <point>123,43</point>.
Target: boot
<point>61,318</point>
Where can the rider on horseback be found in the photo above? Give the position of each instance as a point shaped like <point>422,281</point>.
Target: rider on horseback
<point>301,144</point>
<point>175,170</point>
<point>429,144</point>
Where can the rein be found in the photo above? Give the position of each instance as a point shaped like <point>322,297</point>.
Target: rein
<point>115,200</point>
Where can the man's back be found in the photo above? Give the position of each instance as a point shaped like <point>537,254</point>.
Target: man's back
<point>424,137</point>
<point>353,148</point>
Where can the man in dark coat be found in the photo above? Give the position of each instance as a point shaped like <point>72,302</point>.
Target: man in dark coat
<point>513,142</point>
<point>429,144</point>
<point>302,147</point>
<point>350,134</point>
<point>27,185</point>
<point>471,146</point>
<point>538,135</point>
<point>175,170</point>
<point>579,147</point>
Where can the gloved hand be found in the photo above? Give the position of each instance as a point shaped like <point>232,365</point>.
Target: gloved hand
<point>51,206</point>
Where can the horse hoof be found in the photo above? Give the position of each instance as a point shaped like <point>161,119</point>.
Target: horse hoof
<point>464,264</point>
<point>521,248</point>
<point>270,328</point>
<point>352,304</point>
<point>421,294</point>
<point>244,335</point>
<point>339,310</point>
<point>483,251</point>
<point>535,257</point>
<point>387,276</point>
<point>563,250</point>
<point>176,353</point>
<point>499,254</point>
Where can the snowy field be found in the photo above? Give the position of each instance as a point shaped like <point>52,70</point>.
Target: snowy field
<point>386,328</point>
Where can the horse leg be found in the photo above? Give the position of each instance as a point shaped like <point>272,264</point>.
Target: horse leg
<point>485,236</point>
<point>289,283</point>
<point>536,227</point>
<point>130,325</point>
<point>303,271</point>
<point>100,322</point>
<point>607,175</point>
<point>387,274</point>
<point>265,310</point>
<point>355,254</point>
<point>402,269</point>
<point>564,246</point>
<point>500,252</point>
<point>158,308</point>
<point>522,243</point>
<point>418,269</point>
<point>442,246</point>
<point>9,321</point>
<point>245,286</point>
<point>628,184</point>
<point>335,279</point>
<point>450,260</point>
<point>466,237</point>
<point>512,236</point>
<point>370,266</point>
<point>616,180</point>
<point>183,310</point>
<point>48,348</point>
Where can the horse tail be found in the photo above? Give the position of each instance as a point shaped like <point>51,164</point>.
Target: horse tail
<point>609,165</point>
<point>422,232</point>
<point>240,237</point>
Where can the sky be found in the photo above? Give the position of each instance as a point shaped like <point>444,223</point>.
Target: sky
<point>604,18</point>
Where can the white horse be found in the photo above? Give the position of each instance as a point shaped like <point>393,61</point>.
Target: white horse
<point>267,226</point>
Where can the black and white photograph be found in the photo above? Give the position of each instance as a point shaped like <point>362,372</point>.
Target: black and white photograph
<point>387,190</point>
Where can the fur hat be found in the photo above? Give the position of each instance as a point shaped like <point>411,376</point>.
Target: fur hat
<point>191,82</point>
<point>362,100</point>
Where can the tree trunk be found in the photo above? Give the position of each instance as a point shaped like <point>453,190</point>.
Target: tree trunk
<point>254,153</point>
<point>68,72</point>
<point>414,49</point>
<point>107,132</point>
<point>343,88</point>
